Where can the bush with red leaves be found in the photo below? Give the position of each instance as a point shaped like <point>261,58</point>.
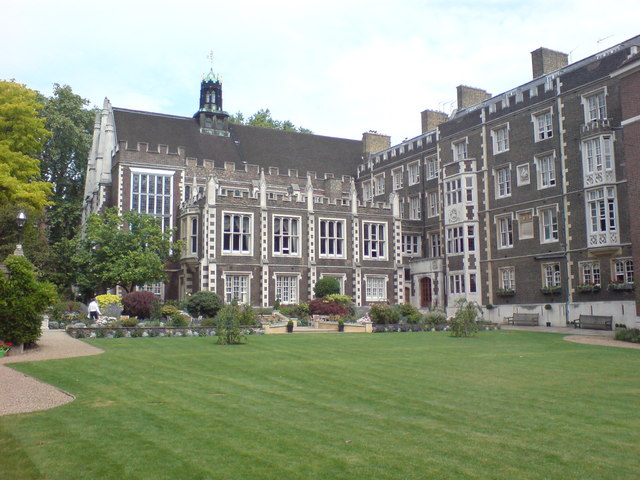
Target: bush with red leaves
<point>138,304</point>
<point>320,306</point>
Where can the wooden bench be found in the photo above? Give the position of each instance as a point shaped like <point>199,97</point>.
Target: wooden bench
<point>594,322</point>
<point>524,319</point>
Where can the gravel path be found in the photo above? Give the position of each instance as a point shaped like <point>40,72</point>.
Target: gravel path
<point>21,393</point>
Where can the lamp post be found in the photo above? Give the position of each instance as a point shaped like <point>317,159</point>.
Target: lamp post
<point>21,221</point>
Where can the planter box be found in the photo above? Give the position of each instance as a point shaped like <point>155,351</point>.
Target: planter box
<point>588,288</point>
<point>624,287</point>
<point>505,293</point>
<point>551,290</point>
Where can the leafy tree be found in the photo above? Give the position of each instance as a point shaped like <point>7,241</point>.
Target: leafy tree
<point>464,322</point>
<point>139,304</point>
<point>22,135</point>
<point>64,158</point>
<point>23,299</point>
<point>326,286</point>
<point>203,304</point>
<point>125,250</point>
<point>228,322</point>
<point>262,118</point>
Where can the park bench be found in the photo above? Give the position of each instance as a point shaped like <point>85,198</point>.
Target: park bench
<point>594,322</point>
<point>524,319</point>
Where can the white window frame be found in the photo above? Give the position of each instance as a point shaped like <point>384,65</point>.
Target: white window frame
<point>602,212</point>
<point>546,168</point>
<point>504,226</point>
<point>590,272</point>
<point>397,178</point>
<point>456,283</point>
<point>503,181</point>
<point>500,137</point>
<point>413,173</point>
<point>435,245</point>
<point>292,238</point>
<point>367,191</point>
<point>415,208</point>
<point>411,245</point>
<point>551,275</point>
<point>334,239</point>
<point>507,278</point>
<point>460,150</point>
<point>374,240</point>
<point>455,240</point>
<point>237,283</point>
<point>595,105</point>
<point>432,167</point>
<point>375,288</point>
<point>622,270</point>
<point>548,224</point>
<point>240,234</point>
<point>433,203</point>
<point>453,191</point>
<point>543,125</point>
<point>378,182</point>
<point>143,190</point>
<point>193,235</point>
<point>287,287</point>
<point>597,154</point>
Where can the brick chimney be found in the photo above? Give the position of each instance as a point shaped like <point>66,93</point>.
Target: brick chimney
<point>468,96</point>
<point>544,60</point>
<point>373,142</point>
<point>431,119</point>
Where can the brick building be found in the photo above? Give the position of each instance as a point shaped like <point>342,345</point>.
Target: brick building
<point>520,200</point>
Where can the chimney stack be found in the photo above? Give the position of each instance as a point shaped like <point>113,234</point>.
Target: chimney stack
<point>468,96</point>
<point>431,119</point>
<point>544,60</point>
<point>373,142</point>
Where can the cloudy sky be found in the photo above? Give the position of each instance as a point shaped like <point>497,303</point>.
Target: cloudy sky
<point>337,67</point>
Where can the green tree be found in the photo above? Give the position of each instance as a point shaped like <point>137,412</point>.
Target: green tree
<point>465,320</point>
<point>228,325</point>
<point>22,135</point>
<point>203,304</point>
<point>262,118</point>
<point>64,158</point>
<point>326,286</point>
<point>125,250</point>
<point>23,299</point>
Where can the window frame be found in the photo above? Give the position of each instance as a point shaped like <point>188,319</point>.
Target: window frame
<point>340,242</point>
<point>371,245</point>
<point>229,288</point>
<point>293,287</point>
<point>504,235</point>
<point>503,181</point>
<point>551,228</point>
<point>460,150</point>
<point>507,278</point>
<point>546,176</point>
<point>543,125</point>
<point>249,235</point>
<point>370,288</point>
<point>413,173</point>
<point>500,139</point>
<point>296,239</point>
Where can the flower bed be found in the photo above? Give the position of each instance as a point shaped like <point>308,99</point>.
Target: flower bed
<point>133,332</point>
<point>441,327</point>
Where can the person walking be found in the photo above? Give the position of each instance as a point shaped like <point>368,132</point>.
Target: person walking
<point>94,310</point>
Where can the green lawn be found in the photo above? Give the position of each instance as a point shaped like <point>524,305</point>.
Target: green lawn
<point>508,405</point>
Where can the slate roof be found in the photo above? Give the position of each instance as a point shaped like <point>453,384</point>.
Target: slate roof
<point>254,145</point>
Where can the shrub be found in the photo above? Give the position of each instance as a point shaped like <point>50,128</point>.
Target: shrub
<point>628,335</point>
<point>228,325</point>
<point>107,299</point>
<point>208,322</point>
<point>300,310</point>
<point>464,323</point>
<point>129,322</point>
<point>168,310</point>
<point>23,298</point>
<point>435,317</point>
<point>326,286</point>
<point>203,304</point>
<point>139,303</point>
<point>382,314</point>
<point>321,306</point>
<point>247,316</point>
<point>342,300</point>
<point>65,313</point>
<point>178,320</point>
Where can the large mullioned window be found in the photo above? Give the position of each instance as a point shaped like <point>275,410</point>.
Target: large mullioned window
<point>151,194</point>
<point>374,240</point>
<point>236,233</point>
<point>286,236</point>
<point>331,239</point>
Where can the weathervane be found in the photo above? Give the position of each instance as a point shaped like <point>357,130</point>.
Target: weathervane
<point>210,57</point>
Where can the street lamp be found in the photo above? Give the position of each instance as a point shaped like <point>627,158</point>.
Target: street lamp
<point>21,220</point>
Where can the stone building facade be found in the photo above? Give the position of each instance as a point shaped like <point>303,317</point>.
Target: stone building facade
<point>521,200</point>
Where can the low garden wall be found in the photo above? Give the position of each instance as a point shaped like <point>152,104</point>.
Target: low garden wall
<point>132,332</point>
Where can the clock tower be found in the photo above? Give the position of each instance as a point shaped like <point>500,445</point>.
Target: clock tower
<point>212,119</point>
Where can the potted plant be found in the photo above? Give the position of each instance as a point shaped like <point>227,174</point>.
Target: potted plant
<point>290,326</point>
<point>551,289</point>
<point>341,325</point>
<point>620,285</point>
<point>588,287</point>
<point>621,326</point>
<point>506,292</point>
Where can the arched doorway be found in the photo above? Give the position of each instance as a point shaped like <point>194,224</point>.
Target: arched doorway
<point>425,292</point>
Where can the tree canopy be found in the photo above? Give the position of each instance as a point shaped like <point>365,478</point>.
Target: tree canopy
<point>22,136</point>
<point>64,158</point>
<point>125,250</point>
<point>262,118</point>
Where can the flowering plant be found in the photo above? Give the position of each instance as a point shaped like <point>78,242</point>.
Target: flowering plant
<point>4,348</point>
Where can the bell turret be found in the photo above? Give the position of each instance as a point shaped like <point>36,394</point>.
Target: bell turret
<point>212,119</point>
